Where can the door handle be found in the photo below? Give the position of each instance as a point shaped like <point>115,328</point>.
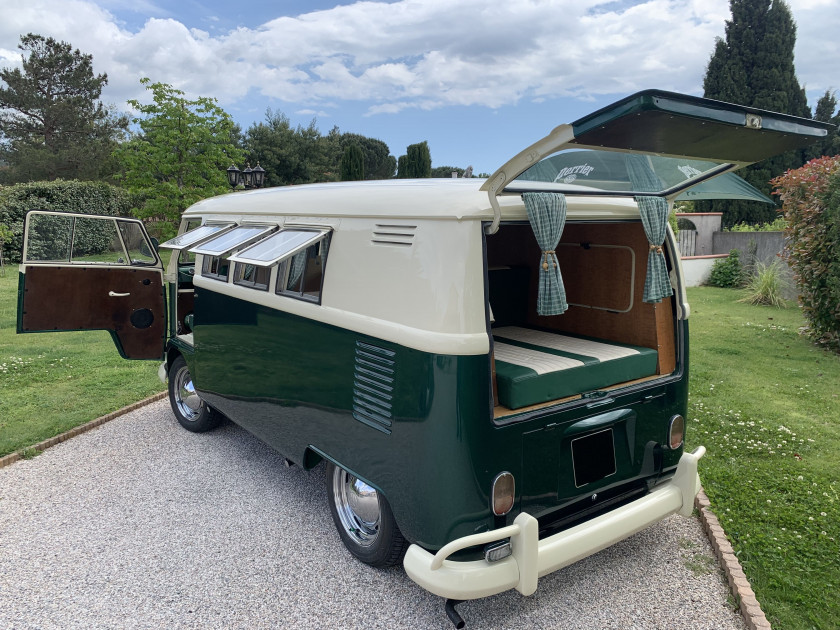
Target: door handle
<point>112,294</point>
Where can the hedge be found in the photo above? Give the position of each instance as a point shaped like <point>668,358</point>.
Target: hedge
<point>60,196</point>
<point>811,203</point>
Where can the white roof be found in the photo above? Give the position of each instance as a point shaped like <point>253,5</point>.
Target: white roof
<point>452,199</point>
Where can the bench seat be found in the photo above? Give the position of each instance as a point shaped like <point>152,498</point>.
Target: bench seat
<point>534,366</point>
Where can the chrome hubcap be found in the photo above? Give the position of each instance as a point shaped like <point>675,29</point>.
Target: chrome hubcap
<point>188,402</point>
<point>357,505</point>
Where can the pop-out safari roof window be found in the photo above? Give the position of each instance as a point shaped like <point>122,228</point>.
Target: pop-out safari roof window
<point>199,234</point>
<point>227,242</point>
<point>278,247</point>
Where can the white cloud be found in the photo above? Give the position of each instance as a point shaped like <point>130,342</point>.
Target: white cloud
<point>428,54</point>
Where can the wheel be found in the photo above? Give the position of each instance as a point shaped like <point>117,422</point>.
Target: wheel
<point>192,413</point>
<point>364,519</point>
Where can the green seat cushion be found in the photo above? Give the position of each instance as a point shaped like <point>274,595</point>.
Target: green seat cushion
<point>534,366</point>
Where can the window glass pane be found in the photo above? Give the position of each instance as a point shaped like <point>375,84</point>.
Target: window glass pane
<point>252,276</point>
<point>194,236</point>
<point>315,262</point>
<point>277,245</point>
<point>97,241</point>
<point>49,238</point>
<point>304,272</point>
<point>296,265</point>
<point>216,267</point>
<point>615,171</point>
<point>228,241</point>
<point>139,249</point>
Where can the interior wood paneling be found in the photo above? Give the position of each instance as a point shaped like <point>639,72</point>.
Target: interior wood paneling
<point>186,304</point>
<point>76,298</point>
<point>594,278</point>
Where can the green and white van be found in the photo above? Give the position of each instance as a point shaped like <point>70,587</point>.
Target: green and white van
<point>495,372</point>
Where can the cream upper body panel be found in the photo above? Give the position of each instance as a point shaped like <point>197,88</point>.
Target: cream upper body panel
<point>443,199</point>
<point>405,260</point>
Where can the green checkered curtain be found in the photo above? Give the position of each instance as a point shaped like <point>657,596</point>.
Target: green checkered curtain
<point>654,212</point>
<point>298,263</point>
<point>547,214</point>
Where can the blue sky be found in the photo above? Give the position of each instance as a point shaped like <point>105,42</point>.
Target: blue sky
<point>478,80</point>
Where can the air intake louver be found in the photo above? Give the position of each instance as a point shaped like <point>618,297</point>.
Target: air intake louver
<point>389,234</point>
<point>373,386</point>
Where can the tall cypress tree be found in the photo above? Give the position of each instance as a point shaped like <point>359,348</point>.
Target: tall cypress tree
<point>753,65</point>
<point>825,112</point>
<point>352,166</point>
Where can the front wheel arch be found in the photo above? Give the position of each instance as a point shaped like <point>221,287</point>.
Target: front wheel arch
<point>191,412</point>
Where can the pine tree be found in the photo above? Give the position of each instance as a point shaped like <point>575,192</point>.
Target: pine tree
<point>52,123</point>
<point>753,65</point>
<point>352,164</point>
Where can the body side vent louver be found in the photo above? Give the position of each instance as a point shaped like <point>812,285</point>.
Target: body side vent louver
<point>390,234</point>
<point>373,386</point>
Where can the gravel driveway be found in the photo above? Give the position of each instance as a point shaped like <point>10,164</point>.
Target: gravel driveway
<point>140,524</point>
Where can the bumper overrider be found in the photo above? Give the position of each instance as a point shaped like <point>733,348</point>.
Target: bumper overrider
<point>533,558</point>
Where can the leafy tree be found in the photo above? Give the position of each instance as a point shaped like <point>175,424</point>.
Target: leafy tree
<point>417,163</point>
<point>811,202</point>
<point>753,66</point>
<point>293,155</point>
<point>825,112</point>
<point>352,164</point>
<point>180,154</point>
<point>52,123</point>
<point>446,171</point>
<point>379,163</point>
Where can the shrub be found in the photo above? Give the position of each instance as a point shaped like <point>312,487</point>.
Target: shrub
<point>766,286</point>
<point>59,196</point>
<point>727,272</point>
<point>811,203</point>
<point>777,225</point>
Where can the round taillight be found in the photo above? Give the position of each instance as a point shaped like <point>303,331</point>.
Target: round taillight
<point>676,432</point>
<point>503,490</point>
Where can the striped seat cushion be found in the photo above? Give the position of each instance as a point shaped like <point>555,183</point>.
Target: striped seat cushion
<point>533,366</point>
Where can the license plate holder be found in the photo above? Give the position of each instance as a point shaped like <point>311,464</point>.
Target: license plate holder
<point>593,457</point>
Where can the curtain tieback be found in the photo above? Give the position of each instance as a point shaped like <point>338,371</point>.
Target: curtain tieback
<point>546,259</point>
<point>656,248</point>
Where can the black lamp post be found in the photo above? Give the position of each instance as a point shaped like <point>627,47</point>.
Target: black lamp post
<point>250,177</point>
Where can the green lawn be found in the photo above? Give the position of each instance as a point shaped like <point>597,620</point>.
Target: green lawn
<point>51,382</point>
<point>766,404</point>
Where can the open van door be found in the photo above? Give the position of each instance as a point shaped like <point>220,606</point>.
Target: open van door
<point>93,272</point>
<point>680,142</point>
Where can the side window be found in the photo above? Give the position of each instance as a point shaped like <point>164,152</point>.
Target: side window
<point>187,257</point>
<point>87,240</point>
<point>139,252</point>
<point>218,252</point>
<point>302,275</point>
<point>251,276</point>
<point>216,267</point>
